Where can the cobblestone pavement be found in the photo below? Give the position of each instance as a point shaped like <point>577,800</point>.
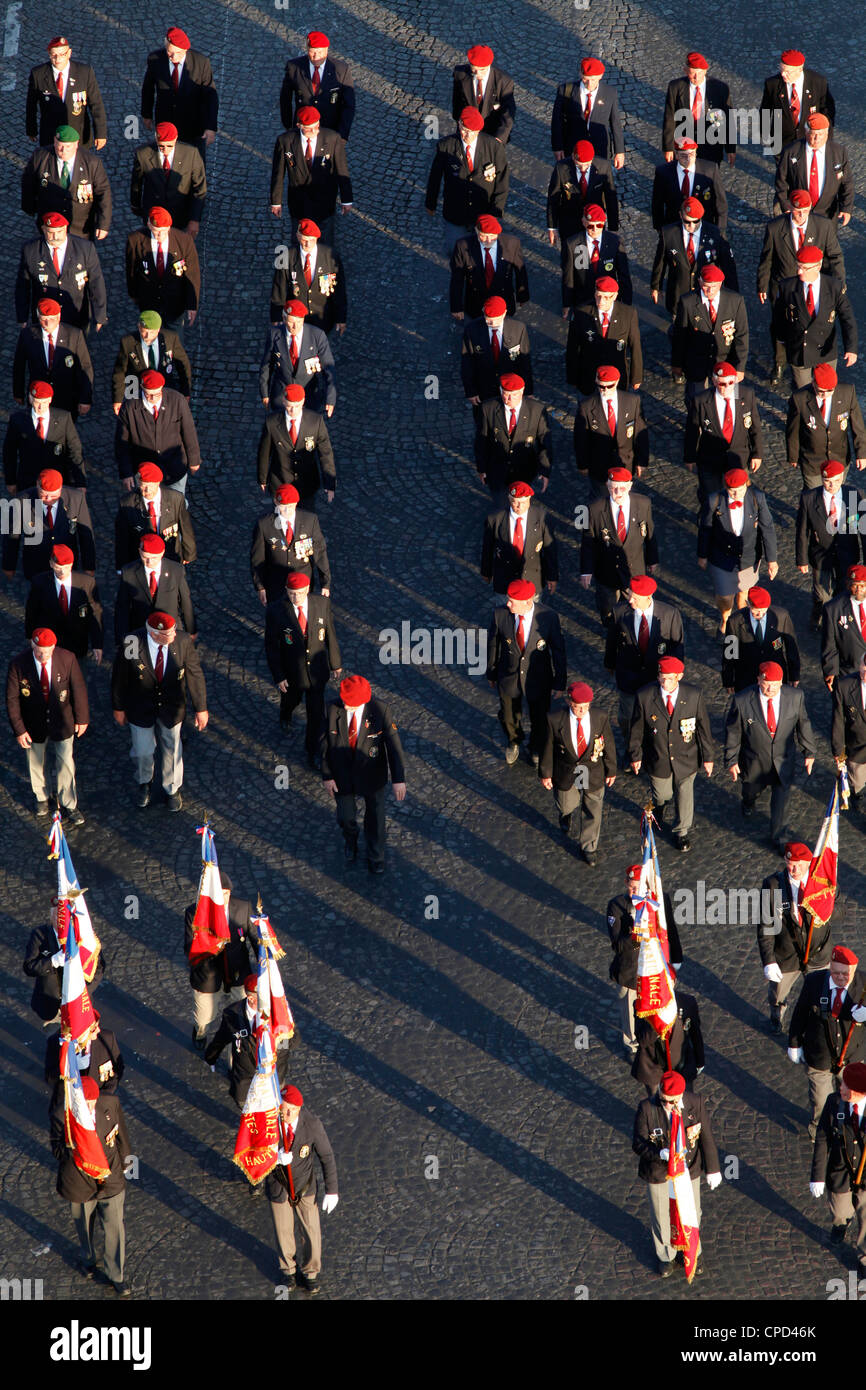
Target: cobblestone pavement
<point>437,1006</point>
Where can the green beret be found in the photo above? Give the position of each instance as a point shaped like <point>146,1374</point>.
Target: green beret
<point>150,318</point>
<point>67,134</point>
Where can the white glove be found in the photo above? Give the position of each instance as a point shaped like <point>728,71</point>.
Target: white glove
<point>773,973</point>
<point>795,1054</point>
<point>677,965</point>
<point>713,1181</point>
<point>58,958</point>
<point>700,1069</point>
<point>816,1189</point>
<point>284,1158</point>
<point>858,1013</point>
<point>664,1155</point>
<point>329,1201</point>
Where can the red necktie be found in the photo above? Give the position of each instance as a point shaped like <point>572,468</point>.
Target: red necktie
<point>587,114</point>
<point>302,622</point>
<point>863,621</point>
<point>771,719</point>
<point>594,257</point>
<point>690,249</point>
<point>479,93</point>
<point>49,516</point>
<point>151,512</point>
<point>518,535</point>
<point>581,741</point>
<point>697,104</point>
<point>583,185</point>
<point>521,633</point>
<point>40,426</point>
<point>810,301</point>
<point>795,106</point>
<point>308,272</point>
<point>60,85</point>
<point>64,600</point>
<point>175,76</point>
<point>801,237</point>
<point>611,419</point>
<point>155,413</point>
<point>50,350</point>
<point>488,269</point>
<point>160,261</point>
<point>685,188</point>
<point>512,421</point>
<point>494,344</point>
<point>166,165</point>
<point>643,635</point>
<point>670,704</point>
<point>605,321</point>
<point>728,425</point>
<point>293,352</point>
<point>56,259</point>
<point>353,731</point>
<point>621,532</point>
<point>43,681</point>
<point>813,179</point>
<point>469,159</point>
<point>159,669</point>
<point>153,581</point>
<point>833,513</point>
<point>308,154</point>
<point>293,431</point>
<point>317,82</point>
<point>837,1002</point>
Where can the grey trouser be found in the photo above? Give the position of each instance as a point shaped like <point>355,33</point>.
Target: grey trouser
<point>590,806</point>
<point>180,485</point>
<point>111,1215</point>
<point>821,1085</point>
<point>683,792</point>
<point>307,1212</point>
<point>171,757</point>
<point>856,777</point>
<point>803,375</point>
<point>844,1205</point>
<point>627,999</point>
<point>777,993</point>
<point>64,771</point>
<point>206,1007</point>
<point>623,717</point>
<point>659,1200</point>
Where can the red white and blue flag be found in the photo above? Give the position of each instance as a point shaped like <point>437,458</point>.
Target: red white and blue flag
<point>655,979</point>
<point>819,894</point>
<point>256,1144</point>
<point>76,1010</point>
<point>210,923</point>
<point>69,889</point>
<point>271,1003</point>
<point>87,1151</point>
<point>685,1232</point>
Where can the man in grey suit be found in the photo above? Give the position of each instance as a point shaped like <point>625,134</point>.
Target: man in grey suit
<point>762,726</point>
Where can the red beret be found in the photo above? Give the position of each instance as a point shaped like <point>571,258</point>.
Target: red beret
<point>724,371</point>
<point>161,622</point>
<point>166,131</point>
<point>178,38</point>
<point>292,1096</point>
<point>643,585</point>
<point>796,851</point>
<point>521,590</point>
<point>488,224</point>
<point>858,574</point>
<point>810,255</point>
<point>800,198</point>
<point>48,306</point>
<point>296,308</point>
<point>159,217</point>
<point>833,469</point>
<point>854,1076</point>
<point>793,58</point>
<point>844,955</point>
<point>308,115</point>
<point>58,42</point>
<point>712,275</point>
<point>480,56</point>
<point>307,227</point>
<point>471,118</point>
<point>297,581</point>
<point>671,666</point>
<point>520,490</point>
<point>150,473</point>
<point>736,477</point>
<point>295,392</point>
<point>152,380</point>
<point>771,671</point>
<point>593,213</point>
<point>758,597</point>
<point>584,151</point>
<point>817,121</point>
<point>607,285</point>
<point>90,1088</point>
<point>50,480</point>
<point>592,67</point>
<point>824,376</point>
<point>672,1084</point>
<point>41,391</point>
<point>54,219</point>
<point>696,60</point>
<point>510,381</point>
<point>251,983</point>
<point>318,40</point>
<point>606,376</point>
<point>693,209</point>
<point>580,692</point>
<point>495,306</point>
<point>62,555</point>
<point>286,494</point>
<point>634,871</point>
<point>355,691</point>
<point>152,544</point>
<point>43,637</point>
<point>684,143</point>
<point>619,475</point>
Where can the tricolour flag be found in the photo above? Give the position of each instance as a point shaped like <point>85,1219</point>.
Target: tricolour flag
<point>655,982</point>
<point>69,888</point>
<point>76,1010</point>
<point>87,1151</point>
<point>685,1232</point>
<point>819,895</point>
<point>256,1144</point>
<point>272,1004</point>
<point>210,923</point>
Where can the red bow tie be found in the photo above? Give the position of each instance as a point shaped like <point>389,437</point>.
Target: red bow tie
<point>732,505</point>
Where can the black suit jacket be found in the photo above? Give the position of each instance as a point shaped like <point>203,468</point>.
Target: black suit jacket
<point>181,192</point>
<point>848,732</point>
<point>193,108</point>
<point>86,203</point>
<point>536,671</point>
<point>818,545</point>
<point>315,369</point>
<point>602,555</point>
<point>311,192</point>
<point>686,1045</point>
<point>779,251</point>
<point>74,1185</point>
<point>211,974</point>
<point>70,373</point>
<point>567,124</point>
<point>79,289</point>
<point>670,747</point>
<point>306,663</point>
<point>747,738</point>
<point>596,450</point>
<point>580,272</point>
<point>310,1140</point>
<point>811,442</point>
<point>25,455</point>
<point>721,546</point>
<point>816,97</point>
<point>334,101</point>
<point>566,199</point>
<point>170,441</point>
<point>702,1156</point>
<point>132,521</point>
<point>698,344</point>
<point>47,979</point>
<point>839,1145</point>
<point>814,1028</point>
<point>716,97</point>
<point>672,268</point>
<point>626,948</point>
<point>106,1064</point>
<point>72,527</point>
<point>466,196</point>
<point>179,289</point>
<point>742,653</point>
<point>305,465</point>
<point>632,668</point>
<point>497,104</point>
<point>811,340</point>
<point>781,940</point>
<point>136,691</point>
<point>67,703</point>
<point>130,365</point>
<point>705,444</point>
<point>468,288</point>
<point>82,108</point>
<point>538,562</point>
<point>272,559</point>
<point>842,644</point>
<point>587,349</point>
<point>478,371</point>
<point>81,628</point>
<point>364,769</point>
<point>325,298</point>
<point>705,184</point>
<point>559,760</point>
<point>836,196</point>
<point>523,456</point>
<point>235,1029</point>
<point>134,605</point>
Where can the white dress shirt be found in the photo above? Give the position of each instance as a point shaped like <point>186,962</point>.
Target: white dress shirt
<point>670,695</point>
<point>153,649</point>
<point>67,585</point>
<point>62,73</point>
<point>816,291</point>
<point>720,408</point>
<point>617,507</point>
<point>575,724</point>
<point>775,702</point>
<point>737,515</point>
<point>643,613</point>
<point>821,156</point>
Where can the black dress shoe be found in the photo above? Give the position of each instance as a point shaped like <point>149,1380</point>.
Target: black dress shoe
<point>175,801</point>
<point>311,1284</point>
<point>199,1039</point>
<point>72,817</point>
<point>350,850</point>
<point>565,824</point>
<point>377,868</point>
<point>43,810</point>
<point>699,1267</point>
<point>665,1268</point>
<point>747,808</point>
<point>837,1235</point>
<point>144,790</point>
<point>661,812</point>
<point>590,857</point>
<point>86,1271</point>
<point>682,843</point>
<point>122,1289</point>
<point>312,761</point>
<point>776,374</point>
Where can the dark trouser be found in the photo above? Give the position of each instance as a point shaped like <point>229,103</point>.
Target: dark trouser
<point>803,375</point>
<point>693,387</point>
<point>709,481</point>
<point>777,345</point>
<point>510,708</point>
<point>314,698</point>
<point>606,600</point>
<point>374,823</point>
<point>597,486</point>
<point>827,582</point>
<point>778,798</point>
